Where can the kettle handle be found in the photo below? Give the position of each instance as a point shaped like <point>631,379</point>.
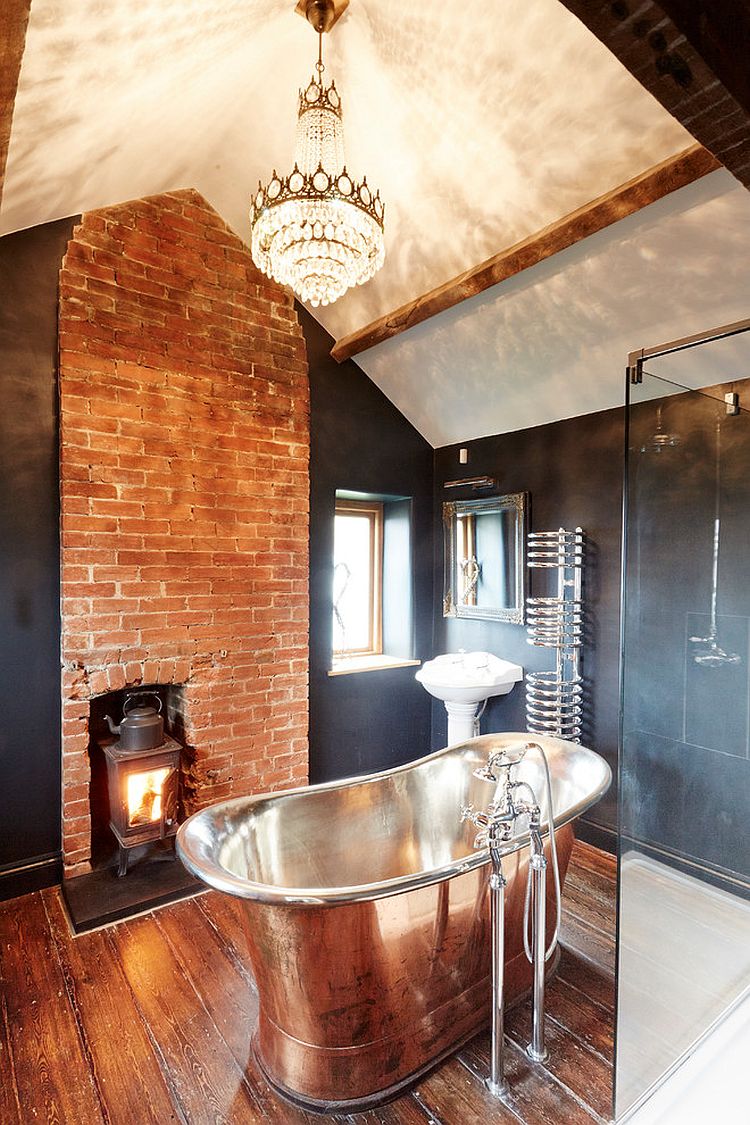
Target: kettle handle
<point>138,695</point>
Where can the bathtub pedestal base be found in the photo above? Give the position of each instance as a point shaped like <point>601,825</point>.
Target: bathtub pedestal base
<point>356,1105</point>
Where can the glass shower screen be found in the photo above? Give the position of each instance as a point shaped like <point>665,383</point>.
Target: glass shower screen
<point>684,907</point>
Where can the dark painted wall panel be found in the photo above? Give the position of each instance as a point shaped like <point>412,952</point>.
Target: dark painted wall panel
<point>360,442</point>
<point>29,546</point>
<point>573,473</point>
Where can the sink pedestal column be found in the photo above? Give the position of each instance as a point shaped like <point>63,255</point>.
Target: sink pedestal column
<point>462,722</point>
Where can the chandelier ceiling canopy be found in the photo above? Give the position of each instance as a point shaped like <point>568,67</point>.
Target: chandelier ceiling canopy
<point>318,229</point>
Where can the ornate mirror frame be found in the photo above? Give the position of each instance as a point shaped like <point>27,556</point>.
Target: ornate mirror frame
<point>515,502</point>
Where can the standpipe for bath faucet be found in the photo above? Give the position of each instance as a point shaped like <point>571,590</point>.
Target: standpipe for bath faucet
<point>493,832</point>
<point>496,1081</point>
<point>536,1049</point>
<point>496,827</point>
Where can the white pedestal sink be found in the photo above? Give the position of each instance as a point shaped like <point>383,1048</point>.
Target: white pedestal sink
<point>463,680</point>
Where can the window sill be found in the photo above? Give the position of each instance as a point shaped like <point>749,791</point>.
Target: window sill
<point>370,664</point>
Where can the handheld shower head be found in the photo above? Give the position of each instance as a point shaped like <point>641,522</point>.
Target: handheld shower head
<point>484,773</point>
<point>516,752</point>
<point>501,759</point>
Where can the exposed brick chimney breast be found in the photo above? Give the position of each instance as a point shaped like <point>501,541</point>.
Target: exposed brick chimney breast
<point>184,467</point>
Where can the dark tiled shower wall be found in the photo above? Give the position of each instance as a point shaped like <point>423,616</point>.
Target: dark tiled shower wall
<point>686,748</point>
<point>688,800</point>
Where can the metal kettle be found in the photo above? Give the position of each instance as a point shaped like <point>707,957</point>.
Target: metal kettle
<point>142,727</point>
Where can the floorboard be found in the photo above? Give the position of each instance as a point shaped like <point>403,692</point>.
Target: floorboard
<point>588,978</point>
<point>232,1006</point>
<point>125,1069</point>
<point>10,1105</point>
<point>534,1094</point>
<point>588,907</point>
<point>405,1111</point>
<point>588,942</point>
<point>207,1079</point>
<point>53,1078</point>
<point>228,918</point>
<point>452,1094</point>
<point>589,858</point>
<point>582,1071</point>
<point>150,1021</point>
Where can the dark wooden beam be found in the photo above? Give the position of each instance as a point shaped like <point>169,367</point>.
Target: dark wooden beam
<point>671,174</point>
<point>14,17</point>
<point>692,55</point>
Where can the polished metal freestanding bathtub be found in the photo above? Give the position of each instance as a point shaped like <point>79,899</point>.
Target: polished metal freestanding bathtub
<point>367,920</point>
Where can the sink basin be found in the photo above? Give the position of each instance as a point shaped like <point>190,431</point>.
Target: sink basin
<point>468,677</point>
<point>463,680</point>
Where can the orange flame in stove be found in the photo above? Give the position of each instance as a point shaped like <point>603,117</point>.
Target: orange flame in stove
<point>144,796</point>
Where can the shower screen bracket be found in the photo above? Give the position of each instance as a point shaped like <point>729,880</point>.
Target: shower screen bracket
<point>636,359</point>
<point>634,370</point>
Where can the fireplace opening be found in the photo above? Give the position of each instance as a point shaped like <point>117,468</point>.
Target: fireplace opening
<point>136,754</point>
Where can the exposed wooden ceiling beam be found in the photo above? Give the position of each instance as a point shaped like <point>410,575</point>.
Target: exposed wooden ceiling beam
<point>14,17</point>
<point>692,55</point>
<point>671,174</point>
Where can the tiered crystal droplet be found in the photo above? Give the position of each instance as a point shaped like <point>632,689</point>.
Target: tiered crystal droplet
<point>317,230</point>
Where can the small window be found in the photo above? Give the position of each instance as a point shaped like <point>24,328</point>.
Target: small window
<point>358,579</point>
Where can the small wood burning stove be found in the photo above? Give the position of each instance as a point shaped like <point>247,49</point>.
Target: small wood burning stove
<point>143,787</point>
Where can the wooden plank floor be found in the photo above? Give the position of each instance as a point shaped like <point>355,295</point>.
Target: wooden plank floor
<point>150,1021</point>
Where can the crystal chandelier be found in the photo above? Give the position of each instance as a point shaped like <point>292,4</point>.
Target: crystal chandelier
<point>317,229</point>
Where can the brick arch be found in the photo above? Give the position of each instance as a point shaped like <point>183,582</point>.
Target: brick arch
<point>184,417</point>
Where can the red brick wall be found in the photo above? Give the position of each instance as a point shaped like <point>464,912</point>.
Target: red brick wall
<point>184,478</point>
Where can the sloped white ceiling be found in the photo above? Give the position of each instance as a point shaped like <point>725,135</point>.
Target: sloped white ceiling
<point>553,342</point>
<point>479,121</point>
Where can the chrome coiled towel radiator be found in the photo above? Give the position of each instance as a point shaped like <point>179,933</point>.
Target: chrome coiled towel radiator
<point>554,699</point>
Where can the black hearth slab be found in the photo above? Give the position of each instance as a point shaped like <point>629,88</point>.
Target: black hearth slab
<point>100,898</point>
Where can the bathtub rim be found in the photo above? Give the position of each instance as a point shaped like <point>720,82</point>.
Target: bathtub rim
<point>191,848</point>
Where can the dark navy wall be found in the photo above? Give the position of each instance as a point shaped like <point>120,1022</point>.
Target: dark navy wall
<point>572,471</point>
<point>360,442</point>
<point>29,559</point>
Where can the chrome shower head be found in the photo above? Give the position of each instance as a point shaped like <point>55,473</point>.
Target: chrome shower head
<point>660,441</point>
